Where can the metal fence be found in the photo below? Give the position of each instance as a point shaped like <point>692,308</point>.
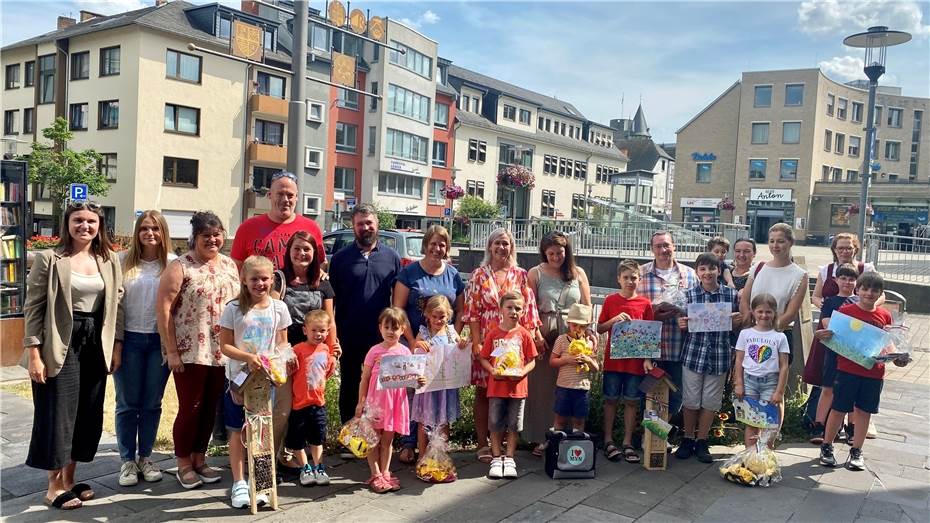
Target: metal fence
<point>902,258</point>
<point>621,238</point>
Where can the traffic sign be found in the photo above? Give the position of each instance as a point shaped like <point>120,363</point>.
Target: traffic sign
<point>339,196</point>
<point>139,213</point>
<point>447,212</point>
<point>79,192</point>
<point>350,203</point>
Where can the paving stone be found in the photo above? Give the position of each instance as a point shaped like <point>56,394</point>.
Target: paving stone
<point>570,492</point>
<point>841,477</point>
<point>538,511</point>
<point>369,513</point>
<point>765,504</point>
<point>586,514</point>
<point>662,514</point>
<point>645,487</point>
<point>527,489</point>
<point>916,514</point>
<point>695,497</point>
<point>828,503</point>
<point>481,509</point>
<point>32,508</point>
<point>798,471</point>
<point>882,510</point>
<point>901,491</point>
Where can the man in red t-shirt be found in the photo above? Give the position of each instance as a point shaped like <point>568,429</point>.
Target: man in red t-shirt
<point>622,376</point>
<point>857,389</point>
<point>267,234</point>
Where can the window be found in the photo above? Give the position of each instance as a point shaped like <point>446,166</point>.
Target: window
<point>315,111</point>
<point>268,40</point>
<point>405,145</point>
<point>825,173</point>
<point>841,105</point>
<point>313,157</point>
<point>270,85</point>
<point>788,170</point>
<point>47,79</point>
<point>109,61</point>
<point>408,103</point>
<point>77,117</point>
<point>856,115</point>
<point>894,117</point>
<point>435,192</point>
<point>180,171</point>
<point>763,96</point>
<point>373,104</point>
<point>183,120</point>
<point>854,143</point>
<point>840,143</point>
<point>9,121</point>
<point>878,116</point>
<point>757,169</point>
<point>344,180</point>
<point>794,94</point>
<point>108,113</point>
<point>892,150</point>
<point>372,140</point>
<point>347,44</point>
<point>346,137</point>
<point>548,125</point>
<point>477,150</point>
<point>270,133</point>
<point>183,66</point>
<point>11,78</point>
<point>442,115</point>
<point>831,102</point>
<point>510,154</point>
<point>475,102</point>
<point>474,188</point>
<point>107,166</point>
<point>411,60</point>
<point>837,174</point>
<point>578,206</point>
<point>439,153</point>
<point>704,172</point>
<point>510,113</point>
<point>541,123</point>
<point>839,214</point>
<point>224,27</point>
<point>581,170</point>
<point>562,166</point>
<point>29,120</point>
<point>319,37</point>
<point>827,140</point>
<point>261,178</point>
<point>791,132</point>
<point>548,204</point>
<point>852,176</point>
<point>760,133</point>
<point>29,73</point>
<point>400,185</point>
<point>80,66</point>
<point>465,102</point>
<point>347,99</point>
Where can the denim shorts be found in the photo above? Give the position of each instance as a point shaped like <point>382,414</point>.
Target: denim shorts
<point>760,387</point>
<point>505,414</point>
<point>571,403</point>
<point>621,385</point>
<point>233,415</point>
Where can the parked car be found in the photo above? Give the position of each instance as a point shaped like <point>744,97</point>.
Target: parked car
<point>407,243</point>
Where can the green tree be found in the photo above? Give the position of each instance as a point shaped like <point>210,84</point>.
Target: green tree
<point>474,208</point>
<point>386,219</point>
<point>56,167</point>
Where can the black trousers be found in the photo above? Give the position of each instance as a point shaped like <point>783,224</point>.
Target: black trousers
<point>350,374</point>
<point>68,418</point>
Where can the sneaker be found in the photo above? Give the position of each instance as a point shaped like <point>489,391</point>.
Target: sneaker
<point>239,494</point>
<point>308,476</point>
<point>510,468</point>
<point>322,478</point>
<point>816,435</point>
<point>261,500</point>
<point>702,451</point>
<point>685,449</point>
<point>150,471</point>
<point>129,474</point>
<point>855,461</point>
<point>827,459</point>
<point>497,468</point>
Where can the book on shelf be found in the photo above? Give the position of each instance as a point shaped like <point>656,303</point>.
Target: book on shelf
<point>9,191</point>
<point>8,217</point>
<point>9,273</point>
<point>9,303</point>
<point>11,247</point>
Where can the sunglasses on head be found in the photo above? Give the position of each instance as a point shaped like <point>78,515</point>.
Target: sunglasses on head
<point>284,174</point>
<point>77,206</point>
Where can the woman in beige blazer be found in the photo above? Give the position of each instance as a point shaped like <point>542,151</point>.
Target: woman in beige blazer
<point>73,339</point>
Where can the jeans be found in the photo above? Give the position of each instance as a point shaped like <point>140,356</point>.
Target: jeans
<point>140,385</point>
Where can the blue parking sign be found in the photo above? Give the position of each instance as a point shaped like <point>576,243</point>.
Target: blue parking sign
<point>79,192</point>
<point>447,212</point>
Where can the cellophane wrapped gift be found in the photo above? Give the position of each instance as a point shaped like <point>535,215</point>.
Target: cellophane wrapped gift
<point>435,466</point>
<point>510,363</point>
<point>581,347</point>
<point>276,362</point>
<point>359,434</point>
<point>756,466</point>
<point>673,295</point>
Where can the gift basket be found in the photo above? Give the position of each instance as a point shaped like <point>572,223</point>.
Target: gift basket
<point>435,466</point>
<point>756,466</point>
<point>359,434</point>
<point>581,347</point>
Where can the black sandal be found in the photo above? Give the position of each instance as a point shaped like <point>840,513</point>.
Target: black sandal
<point>629,454</point>
<point>83,491</point>
<point>612,452</point>
<point>64,498</point>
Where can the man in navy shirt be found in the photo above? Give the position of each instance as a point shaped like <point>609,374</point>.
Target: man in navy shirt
<point>362,276</point>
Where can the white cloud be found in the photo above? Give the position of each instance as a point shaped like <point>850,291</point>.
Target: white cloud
<point>110,7</point>
<point>834,17</point>
<point>843,67</point>
<point>427,17</point>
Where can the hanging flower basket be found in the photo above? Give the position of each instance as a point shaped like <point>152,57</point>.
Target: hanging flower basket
<point>726,204</point>
<point>854,209</point>
<point>452,192</point>
<point>516,176</point>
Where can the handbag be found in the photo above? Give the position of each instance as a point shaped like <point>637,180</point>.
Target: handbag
<point>554,322</point>
<point>235,391</point>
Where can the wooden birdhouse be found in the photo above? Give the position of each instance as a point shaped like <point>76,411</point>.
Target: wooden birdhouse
<point>656,387</point>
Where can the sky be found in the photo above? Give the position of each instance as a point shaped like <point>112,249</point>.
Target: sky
<point>607,57</point>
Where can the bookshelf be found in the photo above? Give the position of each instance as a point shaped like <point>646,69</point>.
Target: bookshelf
<point>12,238</point>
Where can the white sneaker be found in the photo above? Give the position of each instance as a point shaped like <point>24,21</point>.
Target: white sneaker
<point>308,476</point>
<point>510,468</point>
<point>129,474</point>
<point>239,494</point>
<point>261,500</point>
<point>497,468</point>
<point>150,471</point>
<point>322,478</point>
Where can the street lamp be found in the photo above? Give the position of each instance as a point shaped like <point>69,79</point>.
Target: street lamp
<point>875,41</point>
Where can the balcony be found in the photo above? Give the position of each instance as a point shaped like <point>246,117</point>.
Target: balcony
<point>268,154</point>
<point>256,202</point>
<point>268,107</point>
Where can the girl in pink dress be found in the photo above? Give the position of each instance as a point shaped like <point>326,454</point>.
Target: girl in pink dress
<point>390,405</point>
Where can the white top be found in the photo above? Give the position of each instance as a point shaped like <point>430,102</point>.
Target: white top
<point>866,267</point>
<point>86,291</point>
<point>139,292</point>
<point>254,332</point>
<point>780,282</point>
<point>762,349</point>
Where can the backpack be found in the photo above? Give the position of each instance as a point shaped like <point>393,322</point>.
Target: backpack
<point>570,455</point>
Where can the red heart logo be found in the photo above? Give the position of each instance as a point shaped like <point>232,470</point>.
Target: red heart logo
<point>577,453</point>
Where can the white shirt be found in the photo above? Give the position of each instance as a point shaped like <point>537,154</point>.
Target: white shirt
<point>86,291</point>
<point>139,291</point>
<point>780,282</point>
<point>255,331</point>
<point>762,349</point>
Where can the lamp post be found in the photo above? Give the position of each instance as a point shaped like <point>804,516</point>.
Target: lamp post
<point>875,41</point>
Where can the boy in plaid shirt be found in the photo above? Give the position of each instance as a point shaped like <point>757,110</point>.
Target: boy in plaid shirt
<point>705,361</point>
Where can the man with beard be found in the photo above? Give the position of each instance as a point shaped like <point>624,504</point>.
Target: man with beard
<point>362,275</point>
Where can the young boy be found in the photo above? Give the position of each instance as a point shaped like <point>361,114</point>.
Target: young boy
<point>720,247</point>
<point>705,361</point>
<point>307,422</point>
<point>846,275</point>
<point>507,389</point>
<point>623,376</point>
<point>574,380</point>
<point>857,390</point>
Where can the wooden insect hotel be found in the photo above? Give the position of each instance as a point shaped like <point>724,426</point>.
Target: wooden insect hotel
<point>256,392</point>
<point>657,388</point>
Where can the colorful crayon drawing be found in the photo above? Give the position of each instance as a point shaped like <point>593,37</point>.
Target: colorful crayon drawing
<point>755,413</point>
<point>636,339</point>
<point>710,317</point>
<point>856,340</point>
<point>447,367</point>
<point>401,371</point>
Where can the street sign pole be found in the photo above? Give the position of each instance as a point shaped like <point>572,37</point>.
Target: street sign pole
<point>296,113</point>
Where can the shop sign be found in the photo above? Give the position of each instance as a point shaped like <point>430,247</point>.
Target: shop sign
<point>889,214</point>
<point>402,167</point>
<point>703,157</point>
<point>704,203</point>
<point>629,179</point>
<point>770,195</point>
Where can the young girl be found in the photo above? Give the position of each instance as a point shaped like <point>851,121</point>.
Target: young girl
<point>762,354</point>
<point>437,409</point>
<point>390,404</point>
<point>252,324</point>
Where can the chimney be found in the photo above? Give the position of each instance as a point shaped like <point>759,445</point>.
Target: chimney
<point>159,3</point>
<point>625,151</point>
<point>64,21</point>
<point>87,15</point>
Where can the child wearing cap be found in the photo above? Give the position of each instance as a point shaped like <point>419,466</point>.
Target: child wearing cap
<point>573,355</point>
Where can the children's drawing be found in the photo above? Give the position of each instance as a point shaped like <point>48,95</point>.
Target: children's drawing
<point>755,413</point>
<point>856,340</point>
<point>447,367</point>
<point>636,339</point>
<point>401,371</point>
<point>710,317</point>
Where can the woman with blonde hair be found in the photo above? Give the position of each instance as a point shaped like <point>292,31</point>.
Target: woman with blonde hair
<point>140,381</point>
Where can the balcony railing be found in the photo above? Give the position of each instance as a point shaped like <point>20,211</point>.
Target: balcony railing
<point>268,106</point>
<point>268,154</point>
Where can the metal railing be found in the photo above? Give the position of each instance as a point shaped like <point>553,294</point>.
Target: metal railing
<point>902,258</point>
<point>629,237</point>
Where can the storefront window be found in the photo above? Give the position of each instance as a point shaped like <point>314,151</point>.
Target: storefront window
<point>839,215</point>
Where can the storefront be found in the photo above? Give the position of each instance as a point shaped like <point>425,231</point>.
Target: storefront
<point>901,220</point>
<point>699,211</point>
<point>766,207</point>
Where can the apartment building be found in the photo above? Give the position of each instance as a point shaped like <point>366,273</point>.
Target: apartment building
<point>788,146</point>
<point>650,170</point>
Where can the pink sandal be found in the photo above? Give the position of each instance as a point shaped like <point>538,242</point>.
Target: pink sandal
<point>392,481</point>
<point>379,485</point>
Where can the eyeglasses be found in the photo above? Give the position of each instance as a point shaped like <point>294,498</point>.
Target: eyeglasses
<point>91,206</point>
<point>284,174</point>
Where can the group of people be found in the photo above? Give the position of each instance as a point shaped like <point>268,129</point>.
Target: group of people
<point>206,319</point>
